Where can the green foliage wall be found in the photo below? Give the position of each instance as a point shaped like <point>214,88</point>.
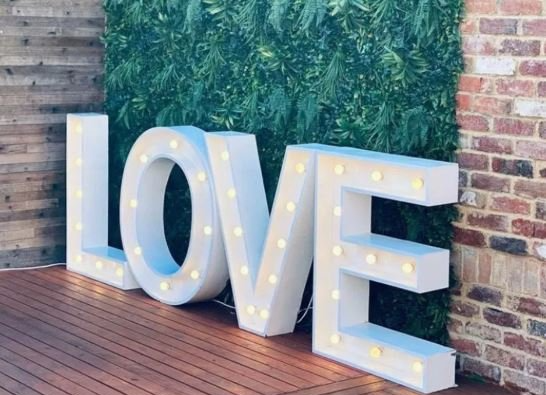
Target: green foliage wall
<point>375,74</point>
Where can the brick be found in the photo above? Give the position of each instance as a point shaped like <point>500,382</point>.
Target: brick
<point>474,84</point>
<point>531,276</point>
<point>523,383</point>
<point>508,204</point>
<point>515,167</point>
<point>508,244</point>
<point>463,178</point>
<point>492,144</point>
<point>482,369</point>
<point>464,309</point>
<point>542,130</point>
<point>498,26</point>
<point>536,328</point>
<point>490,183</point>
<point>504,358</point>
<point>479,45</point>
<point>516,47</point>
<point>481,6</point>
<point>515,127</point>
<point>483,332</point>
<point>484,268</point>
<point>472,199</point>
<point>536,368</point>
<point>539,250</point>
<point>540,230</point>
<point>469,237</point>
<point>473,161</point>
<point>501,318</point>
<point>523,227</point>
<point>530,189</point>
<point>464,102</point>
<point>531,149</point>
<point>540,210</point>
<point>514,275</point>
<point>515,87</point>
<point>527,345</point>
<point>521,7</point>
<point>469,26</point>
<point>491,105</point>
<point>528,306</point>
<point>530,108</point>
<point>472,122</point>
<point>490,65</point>
<point>488,221</point>
<point>534,27</point>
<point>536,68</point>
<point>485,295</point>
<point>466,346</point>
<point>541,89</point>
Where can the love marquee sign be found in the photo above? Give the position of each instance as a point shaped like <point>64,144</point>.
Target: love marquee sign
<point>322,211</point>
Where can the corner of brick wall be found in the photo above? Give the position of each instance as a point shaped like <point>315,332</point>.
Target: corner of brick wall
<point>498,318</point>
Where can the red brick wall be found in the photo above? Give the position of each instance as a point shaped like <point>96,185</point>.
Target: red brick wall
<point>498,320</point>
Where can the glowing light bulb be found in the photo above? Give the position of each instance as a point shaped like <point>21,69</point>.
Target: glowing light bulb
<point>300,168</point>
<point>408,267</point>
<point>339,169</point>
<point>377,176</point>
<point>272,279</point>
<point>238,231</point>
<point>119,272</point>
<point>164,285</point>
<point>207,230</point>
<point>79,162</point>
<point>173,144</point>
<point>133,203</point>
<point>251,309</point>
<point>244,270</point>
<point>417,367</point>
<point>371,259</point>
<point>376,352</point>
<point>79,194</point>
<point>78,226</point>
<point>281,243</point>
<point>202,176</point>
<point>291,207</point>
<point>224,155</point>
<point>337,211</point>
<point>137,251</point>
<point>79,258</point>
<point>335,294</point>
<point>78,128</point>
<point>195,275</point>
<point>231,193</point>
<point>337,250</point>
<point>99,265</point>
<point>335,338</point>
<point>143,158</point>
<point>264,314</point>
<point>417,183</point>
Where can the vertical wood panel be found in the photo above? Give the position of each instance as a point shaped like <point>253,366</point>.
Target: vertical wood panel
<point>51,63</point>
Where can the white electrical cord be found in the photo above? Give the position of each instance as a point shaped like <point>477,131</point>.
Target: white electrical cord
<point>16,269</point>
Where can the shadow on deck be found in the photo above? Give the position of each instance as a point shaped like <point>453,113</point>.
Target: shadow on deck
<point>61,333</point>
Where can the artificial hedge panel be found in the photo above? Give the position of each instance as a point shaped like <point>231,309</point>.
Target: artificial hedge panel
<point>374,74</point>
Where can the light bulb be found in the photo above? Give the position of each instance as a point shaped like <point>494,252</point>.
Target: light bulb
<point>376,352</point>
<point>339,169</point>
<point>264,314</point>
<point>78,128</point>
<point>224,155</point>
<point>371,259</point>
<point>238,231</point>
<point>281,243</point>
<point>202,176</point>
<point>335,294</point>
<point>143,158</point>
<point>377,176</point>
<point>133,203</point>
<point>79,194</point>
<point>337,250</point>
<point>164,285</point>
<point>337,211</point>
<point>231,193</point>
<point>207,230</point>
<point>137,251</point>
<point>99,265</point>
<point>79,258</point>
<point>417,183</point>
<point>291,207</point>
<point>300,168</point>
<point>119,272</point>
<point>408,267</point>
<point>272,279</point>
<point>173,144</point>
<point>244,270</point>
<point>251,309</point>
<point>79,162</point>
<point>78,226</point>
<point>195,275</point>
<point>335,338</point>
<point>417,367</point>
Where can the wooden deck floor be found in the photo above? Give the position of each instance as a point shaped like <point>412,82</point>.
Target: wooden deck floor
<point>63,334</point>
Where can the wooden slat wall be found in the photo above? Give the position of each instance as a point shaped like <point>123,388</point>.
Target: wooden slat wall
<point>50,64</point>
